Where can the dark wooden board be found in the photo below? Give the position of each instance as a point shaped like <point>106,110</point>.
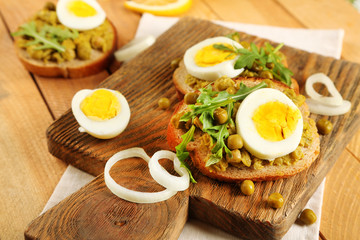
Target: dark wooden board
<point>143,81</point>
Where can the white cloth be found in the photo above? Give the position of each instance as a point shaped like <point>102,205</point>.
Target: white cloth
<point>325,42</point>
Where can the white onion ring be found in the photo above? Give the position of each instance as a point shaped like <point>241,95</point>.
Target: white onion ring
<point>319,108</point>
<point>164,178</point>
<point>335,99</point>
<point>131,195</point>
<point>319,104</point>
<point>133,48</point>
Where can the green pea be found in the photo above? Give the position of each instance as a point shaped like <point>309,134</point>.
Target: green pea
<point>266,74</point>
<point>220,115</point>
<point>164,103</point>
<point>245,45</point>
<point>236,156</point>
<point>275,200</point>
<point>324,126</point>
<point>191,97</point>
<point>247,187</point>
<point>175,63</point>
<point>308,217</point>
<point>235,142</point>
<point>270,65</point>
<point>256,67</point>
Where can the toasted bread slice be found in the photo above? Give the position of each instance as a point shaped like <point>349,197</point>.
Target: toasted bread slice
<point>199,153</point>
<point>180,74</point>
<point>75,68</point>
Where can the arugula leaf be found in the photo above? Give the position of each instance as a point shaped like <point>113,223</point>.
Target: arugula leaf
<point>210,103</point>
<point>211,100</point>
<point>49,36</point>
<point>222,47</point>
<point>181,152</point>
<point>59,33</point>
<point>234,36</point>
<point>267,54</point>
<point>217,150</point>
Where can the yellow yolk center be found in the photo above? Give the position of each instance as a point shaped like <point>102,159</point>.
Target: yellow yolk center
<point>100,105</point>
<point>275,121</point>
<point>81,9</point>
<point>210,56</point>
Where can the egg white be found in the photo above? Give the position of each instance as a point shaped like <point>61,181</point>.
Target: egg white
<point>104,129</point>
<point>69,20</point>
<point>253,142</point>
<point>211,73</point>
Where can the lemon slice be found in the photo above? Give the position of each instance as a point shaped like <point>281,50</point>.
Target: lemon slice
<point>159,7</point>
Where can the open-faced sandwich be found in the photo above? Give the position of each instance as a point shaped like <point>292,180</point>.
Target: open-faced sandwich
<point>242,116</point>
<point>215,57</point>
<point>71,39</point>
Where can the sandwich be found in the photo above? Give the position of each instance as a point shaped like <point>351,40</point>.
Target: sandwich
<point>189,76</point>
<point>239,125</point>
<point>71,39</point>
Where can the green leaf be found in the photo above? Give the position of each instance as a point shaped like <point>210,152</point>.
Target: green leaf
<point>60,33</point>
<point>209,101</point>
<point>234,36</point>
<point>223,47</point>
<point>50,37</point>
<point>181,152</point>
<point>261,56</point>
<point>245,60</point>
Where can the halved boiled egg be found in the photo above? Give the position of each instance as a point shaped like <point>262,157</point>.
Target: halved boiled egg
<point>270,124</point>
<point>102,113</point>
<point>80,14</point>
<point>205,62</point>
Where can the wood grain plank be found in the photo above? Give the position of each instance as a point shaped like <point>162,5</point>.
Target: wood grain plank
<point>354,146</point>
<point>329,15</point>
<point>266,12</point>
<point>227,204</point>
<point>342,197</point>
<point>25,162</point>
<point>95,213</point>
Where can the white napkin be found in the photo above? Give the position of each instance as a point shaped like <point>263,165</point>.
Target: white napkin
<point>325,42</point>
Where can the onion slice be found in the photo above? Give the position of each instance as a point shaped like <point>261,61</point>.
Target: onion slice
<point>133,48</point>
<point>335,99</point>
<point>164,178</point>
<point>319,104</point>
<point>131,195</point>
<point>319,108</point>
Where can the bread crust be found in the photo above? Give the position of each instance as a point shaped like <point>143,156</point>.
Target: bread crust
<point>71,69</point>
<point>199,154</point>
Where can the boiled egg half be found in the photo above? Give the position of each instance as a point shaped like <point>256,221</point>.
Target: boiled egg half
<point>102,113</point>
<point>80,14</point>
<point>270,124</point>
<point>205,62</point>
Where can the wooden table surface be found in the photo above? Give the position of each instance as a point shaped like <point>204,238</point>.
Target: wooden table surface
<point>29,104</point>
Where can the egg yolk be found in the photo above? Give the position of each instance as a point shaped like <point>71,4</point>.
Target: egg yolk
<point>210,56</point>
<point>81,9</point>
<point>100,105</point>
<point>275,121</point>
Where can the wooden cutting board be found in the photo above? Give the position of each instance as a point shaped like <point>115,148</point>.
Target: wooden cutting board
<point>95,213</point>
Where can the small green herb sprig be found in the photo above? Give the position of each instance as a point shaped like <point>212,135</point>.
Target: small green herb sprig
<point>208,101</point>
<point>181,152</point>
<point>262,56</point>
<point>49,37</point>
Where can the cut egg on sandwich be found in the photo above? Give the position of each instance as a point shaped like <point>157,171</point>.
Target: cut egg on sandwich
<point>206,62</point>
<point>102,113</point>
<point>270,124</point>
<point>80,14</point>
